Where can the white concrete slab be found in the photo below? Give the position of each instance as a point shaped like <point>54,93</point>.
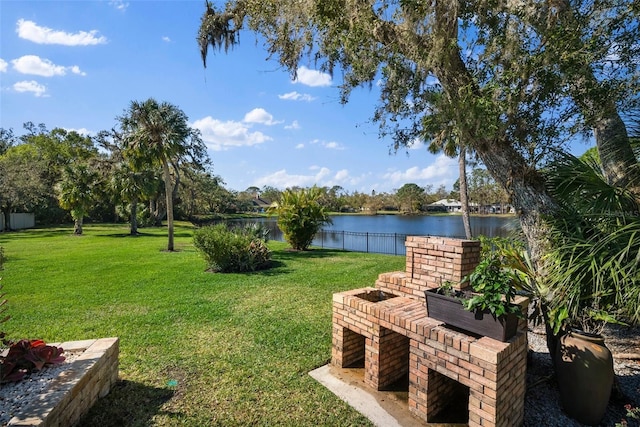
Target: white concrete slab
<point>384,409</point>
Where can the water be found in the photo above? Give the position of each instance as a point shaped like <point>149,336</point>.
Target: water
<point>432,225</point>
<point>387,233</point>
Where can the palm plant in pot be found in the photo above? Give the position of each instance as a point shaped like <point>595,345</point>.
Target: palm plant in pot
<point>591,272</point>
<point>487,309</point>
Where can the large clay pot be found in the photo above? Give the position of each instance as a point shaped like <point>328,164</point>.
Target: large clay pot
<point>584,368</point>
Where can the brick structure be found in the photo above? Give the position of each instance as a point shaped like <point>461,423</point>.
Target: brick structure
<point>388,329</point>
<point>70,396</point>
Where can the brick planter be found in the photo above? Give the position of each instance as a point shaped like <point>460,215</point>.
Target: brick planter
<point>451,311</point>
<point>75,390</point>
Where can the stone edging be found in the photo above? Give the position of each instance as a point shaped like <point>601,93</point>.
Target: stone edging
<point>70,396</point>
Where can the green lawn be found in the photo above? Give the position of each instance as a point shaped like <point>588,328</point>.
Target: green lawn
<point>196,348</point>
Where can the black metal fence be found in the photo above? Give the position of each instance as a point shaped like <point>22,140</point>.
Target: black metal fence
<point>381,243</point>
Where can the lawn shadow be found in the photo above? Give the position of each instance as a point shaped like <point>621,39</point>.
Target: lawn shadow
<point>142,234</point>
<point>39,232</point>
<point>127,404</point>
<point>280,258</point>
<point>313,253</point>
<point>276,268</point>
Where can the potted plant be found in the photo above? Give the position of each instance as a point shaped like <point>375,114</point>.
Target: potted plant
<point>591,272</point>
<point>488,309</point>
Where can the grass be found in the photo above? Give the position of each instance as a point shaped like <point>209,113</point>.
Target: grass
<point>196,348</point>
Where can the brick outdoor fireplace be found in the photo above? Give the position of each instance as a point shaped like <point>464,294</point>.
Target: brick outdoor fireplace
<point>387,329</point>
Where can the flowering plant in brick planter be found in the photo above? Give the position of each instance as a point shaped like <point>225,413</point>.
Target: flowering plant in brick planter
<point>26,356</point>
<point>488,309</point>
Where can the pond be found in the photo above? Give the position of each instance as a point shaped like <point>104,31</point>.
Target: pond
<point>387,233</point>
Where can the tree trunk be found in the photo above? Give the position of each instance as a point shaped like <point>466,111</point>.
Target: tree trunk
<point>77,226</point>
<point>134,216</point>
<point>524,185</point>
<point>464,194</point>
<point>619,163</point>
<point>155,212</point>
<point>7,220</point>
<point>169,192</point>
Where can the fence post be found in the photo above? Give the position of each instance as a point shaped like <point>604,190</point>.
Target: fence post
<point>367,242</point>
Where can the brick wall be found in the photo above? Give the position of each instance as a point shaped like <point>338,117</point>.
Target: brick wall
<point>75,390</point>
<point>430,261</point>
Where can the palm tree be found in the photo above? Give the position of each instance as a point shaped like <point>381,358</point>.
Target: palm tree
<point>592,270</point>
<point>75,192</point>
<point>158,134</point>
<point>132,186</point>
<point>451,145</point>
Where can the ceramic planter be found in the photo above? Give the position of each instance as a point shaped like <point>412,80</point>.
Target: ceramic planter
<point>584,368</point>
<point>450,310</point>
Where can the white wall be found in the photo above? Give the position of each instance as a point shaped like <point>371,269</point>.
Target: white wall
<point>19,220</point>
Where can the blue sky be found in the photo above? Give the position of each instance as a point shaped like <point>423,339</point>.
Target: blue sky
<point>79,64</point>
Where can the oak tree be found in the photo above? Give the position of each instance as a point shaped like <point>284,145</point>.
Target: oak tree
<point>514,80</point>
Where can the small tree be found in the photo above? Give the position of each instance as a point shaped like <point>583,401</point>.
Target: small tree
<point>300,216</point>
<point>75,192</point>
<point>410,198</point>
<point>22,185</point>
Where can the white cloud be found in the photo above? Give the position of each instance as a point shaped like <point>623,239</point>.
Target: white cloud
<point>416,144</point>
<point>166,39</point>
<point>119,4</point>
<point>323,172</point>
<point>293,126</point>
<point>219,135</point>
<point>296,96</point>
<point>300,146</point>
<point>31,31</point>
<point>76,70</point>
<point>32,64</point>
<point>261,116</point>
<point>3,66</point>
<point>444,170</point>
<point>312,77</point>
<point>81,131</point>
<point>342,175</point>
<point>30,86</point>
<point>320,175</point>
<point>332,145</point>
<point>282,179</point>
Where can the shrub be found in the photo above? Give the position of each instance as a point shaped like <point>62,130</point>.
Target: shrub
<point>300,216</point>
<point>232,250</point>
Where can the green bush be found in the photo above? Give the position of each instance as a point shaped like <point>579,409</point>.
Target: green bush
<point>232,250</point>
<point>300,216</point>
